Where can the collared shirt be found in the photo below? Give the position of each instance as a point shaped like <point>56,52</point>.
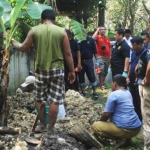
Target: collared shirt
<point>103,41</point>
<point>120,52</point>
<point>120,104</point>
<point>134,61</point>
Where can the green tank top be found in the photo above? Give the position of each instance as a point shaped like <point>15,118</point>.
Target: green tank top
<point>48,46</point>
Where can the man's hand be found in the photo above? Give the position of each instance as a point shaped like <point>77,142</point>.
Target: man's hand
<point>71,77</point>
<point>127,80</point>
<point>145,81</point>
<point>79,67</point>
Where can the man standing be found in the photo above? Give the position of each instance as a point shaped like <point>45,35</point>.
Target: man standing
<point>75,50</point>
<point>103,51</point>
<point>143,70</point>
<point>50,41</point>
<point>127,37</point>
<point>120,54</point>
<point>88,49</point>
<point>138,50</point>
<point>124,122</point>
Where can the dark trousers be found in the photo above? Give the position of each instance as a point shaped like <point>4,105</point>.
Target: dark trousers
<point>88,68</point>
<point>133,88</point>
<point>74,85</point>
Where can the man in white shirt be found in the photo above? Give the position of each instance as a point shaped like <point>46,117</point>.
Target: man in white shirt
<point>127,37</point>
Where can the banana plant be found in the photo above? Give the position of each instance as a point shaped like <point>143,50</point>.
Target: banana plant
<point>8,16</point>
<point>11,13</point>
<point>78,30</point>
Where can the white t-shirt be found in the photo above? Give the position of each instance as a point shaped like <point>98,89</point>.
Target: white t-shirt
<point>128,41</point>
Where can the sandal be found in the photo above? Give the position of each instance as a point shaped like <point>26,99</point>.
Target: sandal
<point>103,87</point>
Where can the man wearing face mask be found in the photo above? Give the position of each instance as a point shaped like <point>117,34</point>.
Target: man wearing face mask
<point>104,51</point>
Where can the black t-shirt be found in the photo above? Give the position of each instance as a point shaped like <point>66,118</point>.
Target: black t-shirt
<point>74,47</point>
<point>87,48</point>
<point>119,53</point>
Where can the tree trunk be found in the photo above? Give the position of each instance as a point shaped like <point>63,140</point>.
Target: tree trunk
<point>79,132</point>
<point>4,85</point>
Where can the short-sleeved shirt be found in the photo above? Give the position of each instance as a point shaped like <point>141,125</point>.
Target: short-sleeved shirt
<point>142,65</point>
<point>103,41</point>
<point>120,104</point>
<point>74,48</point>
<point>134,61</point>
<point>120,52</point>
<point>87,48</point>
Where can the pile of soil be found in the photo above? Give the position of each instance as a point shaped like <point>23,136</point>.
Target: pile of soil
<point>78,109</point>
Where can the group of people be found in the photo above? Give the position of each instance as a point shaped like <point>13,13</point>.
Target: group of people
<point>53,45</point>
<point>128,111</point>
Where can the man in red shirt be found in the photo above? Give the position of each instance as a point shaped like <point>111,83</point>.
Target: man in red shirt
<point>104,51</point>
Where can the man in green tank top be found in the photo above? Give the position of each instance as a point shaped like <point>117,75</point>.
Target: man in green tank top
<point>51,44</point>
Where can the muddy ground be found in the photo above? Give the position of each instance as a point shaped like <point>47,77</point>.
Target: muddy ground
<point>21,114</point>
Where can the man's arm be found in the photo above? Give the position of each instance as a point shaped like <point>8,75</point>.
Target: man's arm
<point>23,47</point>
<point>146,80</point>
<point>105,116</point>
<point>68,58</point>
<point>95,34</point>
<point>126,64</point>
<point>79,60</point>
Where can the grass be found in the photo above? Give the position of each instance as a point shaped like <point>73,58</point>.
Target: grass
<point>103,94</point>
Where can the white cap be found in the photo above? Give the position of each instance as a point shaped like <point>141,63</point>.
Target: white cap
<point>28,80</point>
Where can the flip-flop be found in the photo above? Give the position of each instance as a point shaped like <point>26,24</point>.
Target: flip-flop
<point>32,140</point>
<point>103,87</point>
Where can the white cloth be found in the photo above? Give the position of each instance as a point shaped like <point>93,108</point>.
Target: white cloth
<point>61,111</point>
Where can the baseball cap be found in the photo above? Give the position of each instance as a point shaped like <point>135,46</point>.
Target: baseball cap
<point>28,80</point>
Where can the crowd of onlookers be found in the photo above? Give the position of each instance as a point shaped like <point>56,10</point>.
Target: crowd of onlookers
<point>59,57</point>
<point>128,61</point>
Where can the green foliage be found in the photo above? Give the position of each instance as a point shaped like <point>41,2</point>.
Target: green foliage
<point>15,12</point>
<point>78,30</point>
<point>35,9</point>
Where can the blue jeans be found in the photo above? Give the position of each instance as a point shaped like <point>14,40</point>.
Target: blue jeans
<point>88,68</point>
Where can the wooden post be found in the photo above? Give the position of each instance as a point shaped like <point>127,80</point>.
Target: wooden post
<point>101,12</point>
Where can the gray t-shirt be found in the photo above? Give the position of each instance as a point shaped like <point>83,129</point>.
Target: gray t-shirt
<point>120,103</point>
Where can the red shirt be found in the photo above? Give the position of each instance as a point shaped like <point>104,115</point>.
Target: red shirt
<point>100,41</point>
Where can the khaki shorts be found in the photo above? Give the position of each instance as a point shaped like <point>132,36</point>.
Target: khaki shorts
<point>104,64</point>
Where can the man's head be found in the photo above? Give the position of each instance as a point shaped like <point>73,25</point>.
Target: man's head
<point>102,30</point>
<point>119,81</point>
<point>127,33</point>
<point>48,14</point>
<point>137,43</point>
<point>29,83</point>
<point>146,39</point>
<point>119,34</point>
<point>69,33</point>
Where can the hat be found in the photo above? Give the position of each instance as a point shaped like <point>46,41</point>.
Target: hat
<point>28,80</point>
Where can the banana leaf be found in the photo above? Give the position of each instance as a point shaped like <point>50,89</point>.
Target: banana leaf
<point>78,30</point>
<point>35,9</point>
<point>15,12</point>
